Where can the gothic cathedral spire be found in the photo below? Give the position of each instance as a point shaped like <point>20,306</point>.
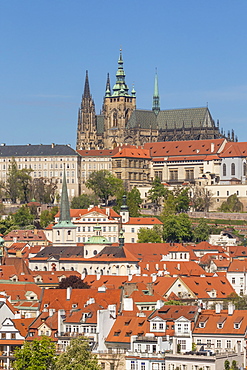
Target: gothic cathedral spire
<point>87,127</point>
<point>156,98</point>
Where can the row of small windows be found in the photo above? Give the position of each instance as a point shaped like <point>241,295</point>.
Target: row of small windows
<point>90,228</point>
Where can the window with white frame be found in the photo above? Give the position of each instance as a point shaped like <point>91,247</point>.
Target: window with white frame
<point>218,343</point>
<point>228,344</point>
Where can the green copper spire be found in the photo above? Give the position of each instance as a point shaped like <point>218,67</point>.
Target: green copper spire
<point>156,97</point>
<point>120,88</point>
<point>64,218</point>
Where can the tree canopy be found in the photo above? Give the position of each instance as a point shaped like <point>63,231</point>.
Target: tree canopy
<point>157,193</point>
<point>18,183</point>
<point>177,228</point>
<point>134,201</point>
<point>153,235</point>
<point>73,282</point>
<point>84,201</point>
<point>47,216</point>
<point>104,184</point>
<point>201,231</point>
<point>232,204</point>
<point>77,356</point>
<point>35,355</point>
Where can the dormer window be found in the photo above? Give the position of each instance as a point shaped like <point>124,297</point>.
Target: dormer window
<point>236,325</point>
<point>74,305</point>
<point>219,325</point>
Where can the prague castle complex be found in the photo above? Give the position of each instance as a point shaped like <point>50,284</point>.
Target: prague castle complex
<point>121,122</point>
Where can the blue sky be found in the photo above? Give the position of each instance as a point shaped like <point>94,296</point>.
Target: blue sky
<point>198,47</point>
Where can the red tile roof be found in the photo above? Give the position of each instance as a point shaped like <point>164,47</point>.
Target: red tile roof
<point>185,148</point>
<point>132,153</point>
<point>234,149</point>
<point>143,221</point>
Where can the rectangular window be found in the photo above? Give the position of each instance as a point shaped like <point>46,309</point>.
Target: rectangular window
<point>218,343</point>
<point>189,174</point>
<point>173,175</point>
<point>228,343</point>
<point>142,365</point>
<point>132,229</point>
<point>233,280</point>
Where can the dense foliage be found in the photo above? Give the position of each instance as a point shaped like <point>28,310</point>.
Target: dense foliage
<point>73,282</point>
<point>83,201</point>
<point>104,184</point>
<point>35,355</point>
<point>77,356</point>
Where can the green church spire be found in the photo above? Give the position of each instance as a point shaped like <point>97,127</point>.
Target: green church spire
<point>64,218</point>
<point>156,97</point>
<point>120,88</point>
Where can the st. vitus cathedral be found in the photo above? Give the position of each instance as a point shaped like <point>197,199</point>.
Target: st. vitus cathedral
<point>120,122</point>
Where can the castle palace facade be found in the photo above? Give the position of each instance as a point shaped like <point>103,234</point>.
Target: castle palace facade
<point>120,122</point>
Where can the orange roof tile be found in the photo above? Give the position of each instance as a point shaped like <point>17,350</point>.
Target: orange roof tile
<point>132,153</point>
<point>185,148</point>
<point>143,221</point>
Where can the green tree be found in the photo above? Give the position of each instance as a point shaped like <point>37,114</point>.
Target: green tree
<point>201,199</point>
<point>182,199</point>
<point>133,202</point>
<point>6,225</point>
<point>12,183</point>
<point>104,184</point>
<point>24,180</point>
<point>227,365</point>
<point>177,228</point>
<point>201,231</point>
<point>35,355</point>
<point>171,228</point>
<point>240,302</point>
<point>48,216</point>
<point>185,227</point>
<point>84,201</point>
<point>23,217</point>
<point>153,235</point>
<point>232,204</point>
<point>157,193</point>
<point>77,356</point>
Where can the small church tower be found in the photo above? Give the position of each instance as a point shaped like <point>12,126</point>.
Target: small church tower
<point>64,232</point>
<point>87,127</point>
<point>117,108</point>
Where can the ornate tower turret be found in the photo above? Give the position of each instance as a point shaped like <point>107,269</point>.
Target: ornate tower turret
<point>156,97</point>
<point>117,108</point>
<point>87,128</point>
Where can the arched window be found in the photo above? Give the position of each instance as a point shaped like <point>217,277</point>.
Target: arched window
<point>244,169</point>
<point>224,169</point>
<point>233,169</point>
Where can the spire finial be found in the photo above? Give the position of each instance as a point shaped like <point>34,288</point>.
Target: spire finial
<point>86,93</point>
<point>156,98</point>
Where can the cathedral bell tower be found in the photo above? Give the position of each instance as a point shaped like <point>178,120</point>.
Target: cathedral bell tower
<point>117,108</point>
<point>87,128</point>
